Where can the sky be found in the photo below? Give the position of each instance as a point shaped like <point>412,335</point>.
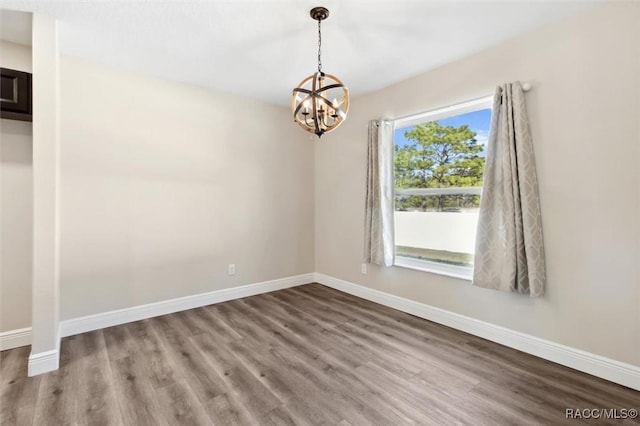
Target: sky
<point>479,121</point>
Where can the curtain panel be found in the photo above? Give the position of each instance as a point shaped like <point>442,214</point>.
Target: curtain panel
<point>379,239</point>
<point>509,246</point>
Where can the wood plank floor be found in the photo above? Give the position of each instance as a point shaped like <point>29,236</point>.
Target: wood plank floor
<point>308,355</point>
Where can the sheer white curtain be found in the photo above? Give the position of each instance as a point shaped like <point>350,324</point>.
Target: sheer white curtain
<point>509,247</point>
<point>379,239</point>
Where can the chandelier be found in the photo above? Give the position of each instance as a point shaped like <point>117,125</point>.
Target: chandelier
<point>320,102</point>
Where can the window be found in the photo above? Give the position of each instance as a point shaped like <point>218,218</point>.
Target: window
<point>439,159</point>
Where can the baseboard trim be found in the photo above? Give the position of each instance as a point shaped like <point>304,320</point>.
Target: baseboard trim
<point>136,313</point>
<point>43,362</point>
<point>15,338</point>
<point>596,365</point>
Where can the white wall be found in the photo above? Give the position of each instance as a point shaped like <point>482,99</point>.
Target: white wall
<point>16,219</point>
<point>15,56</point>
<point>584,110</point>
<point>165,184</point>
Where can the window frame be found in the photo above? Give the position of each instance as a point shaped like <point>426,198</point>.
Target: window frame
<point>455,271</point>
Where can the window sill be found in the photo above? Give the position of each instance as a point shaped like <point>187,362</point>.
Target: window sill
<point>460,272</point>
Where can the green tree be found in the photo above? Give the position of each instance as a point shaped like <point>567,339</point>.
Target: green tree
<point>438,156</point>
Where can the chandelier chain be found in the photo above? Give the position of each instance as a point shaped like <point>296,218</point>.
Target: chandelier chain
<point>310,101</point>
<point>319,46</point>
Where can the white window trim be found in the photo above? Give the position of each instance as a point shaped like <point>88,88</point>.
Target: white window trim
<point>437,114</point>
<point>454,271</point>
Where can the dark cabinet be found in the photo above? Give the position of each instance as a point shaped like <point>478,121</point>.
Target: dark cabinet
<point>15,95</point>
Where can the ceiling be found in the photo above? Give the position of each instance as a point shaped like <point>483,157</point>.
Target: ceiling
<point>15,27</point>
<point>264,48</point>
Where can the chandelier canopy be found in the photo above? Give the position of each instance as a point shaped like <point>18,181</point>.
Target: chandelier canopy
<point>320,102</point>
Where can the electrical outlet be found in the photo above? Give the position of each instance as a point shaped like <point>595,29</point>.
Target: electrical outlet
<point>363,269</point>
<point>232,269</point>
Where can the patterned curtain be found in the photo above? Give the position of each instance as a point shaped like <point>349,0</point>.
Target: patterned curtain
<point>509,248</point>
<point>378,236</point>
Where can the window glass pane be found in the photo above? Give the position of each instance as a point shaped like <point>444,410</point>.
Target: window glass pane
<point>438,167</point>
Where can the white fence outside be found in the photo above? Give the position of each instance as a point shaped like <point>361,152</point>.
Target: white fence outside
<point>450,231</point>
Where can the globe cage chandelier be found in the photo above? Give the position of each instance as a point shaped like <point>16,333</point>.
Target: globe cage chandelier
<point>320,103</point>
